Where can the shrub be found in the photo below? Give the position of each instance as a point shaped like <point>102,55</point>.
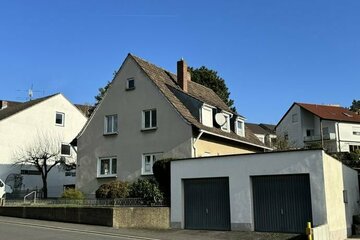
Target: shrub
<point>72,193</point>
<point>146,189</point>
<point>113,189</point>
<point>161,171</point>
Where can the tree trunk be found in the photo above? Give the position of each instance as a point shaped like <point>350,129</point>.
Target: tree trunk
<point>44,188</point>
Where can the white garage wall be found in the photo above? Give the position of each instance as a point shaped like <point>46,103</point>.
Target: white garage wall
<point>338,178</point>
<point>239,169</point>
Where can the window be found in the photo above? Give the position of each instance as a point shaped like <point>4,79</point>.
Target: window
<point>325,130</point>
<point>30,172</point>
<point>294,118</point>
<point>239,127</point>
<point>60,119</point>
<point>148,162</point>
<point>309,132</point>
<point>65,149</point>
<point>107,167</point>
<point>70,174</point>
<point>207,116</point>
<point>111,124</point>
<point>149,120</point>
<point>286,136</point>
<point>353,148</point>
<point>130,84</point>
<point>356,131</point>
<point>226,126</point>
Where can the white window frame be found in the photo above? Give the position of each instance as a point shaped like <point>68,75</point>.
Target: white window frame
<point>62,119</point>
<point>153,158</point>
<point>110,168</point>
<point>114,119</point>
<point>240,132</point>
<point>127,84</point>
<point>61,153</point>
<point>151,123</point>
<point>209,108</point>
<point>226,127</point>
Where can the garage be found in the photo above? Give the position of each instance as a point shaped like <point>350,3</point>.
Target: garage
<point>207,204</point>
<point>272,191</point>
<point>282,203</point>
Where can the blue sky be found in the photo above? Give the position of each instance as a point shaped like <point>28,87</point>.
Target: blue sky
<point>271,53</point>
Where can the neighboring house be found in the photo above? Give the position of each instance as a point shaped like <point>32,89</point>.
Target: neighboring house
<point>149,113</point>
<point>21,124</point>
<point>310,125</point>
<point>264,132</point>
<point>267,192</point>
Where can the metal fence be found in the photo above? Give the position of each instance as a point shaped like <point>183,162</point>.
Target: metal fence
<point>117,202</point>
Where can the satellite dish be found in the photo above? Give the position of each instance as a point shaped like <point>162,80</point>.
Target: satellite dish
<point>220,119</point>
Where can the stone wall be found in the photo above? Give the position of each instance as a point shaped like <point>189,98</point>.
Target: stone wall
<point>142,217</point>
<point>120,217</point>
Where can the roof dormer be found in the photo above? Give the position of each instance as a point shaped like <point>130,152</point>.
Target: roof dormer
<point>206,115</point>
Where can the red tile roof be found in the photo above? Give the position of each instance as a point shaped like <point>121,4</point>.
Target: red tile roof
<point>331,112</point>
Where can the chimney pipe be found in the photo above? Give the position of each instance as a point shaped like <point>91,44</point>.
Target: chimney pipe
<point>183,76</point>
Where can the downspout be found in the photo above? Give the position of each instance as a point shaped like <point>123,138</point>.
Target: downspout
<point>196,139</point>
<point>321,134</point>
<point>338,138</point>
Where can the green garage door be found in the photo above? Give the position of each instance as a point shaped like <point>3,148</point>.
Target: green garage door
<point>282,203</point>
<point>207,203</point>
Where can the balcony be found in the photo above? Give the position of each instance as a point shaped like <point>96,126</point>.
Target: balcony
<point>314,138</point>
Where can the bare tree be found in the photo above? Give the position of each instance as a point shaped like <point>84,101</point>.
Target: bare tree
<point>44,154</point>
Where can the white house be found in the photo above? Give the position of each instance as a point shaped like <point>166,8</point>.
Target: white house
<point>310,125</point>
<point>21,126</point>
<point>271,192</point>
<point>149,113</point>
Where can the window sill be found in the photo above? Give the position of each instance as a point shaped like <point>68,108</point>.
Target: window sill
<point>111,134</point>
<point>148,129</point>
<point>107,176</point>
<point>147,174</point>
<point>59,125</point>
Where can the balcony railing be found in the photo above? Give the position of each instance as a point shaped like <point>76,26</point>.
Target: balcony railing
<point>327,136</point>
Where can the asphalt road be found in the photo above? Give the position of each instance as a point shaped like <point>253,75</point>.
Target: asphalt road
<point>24,229</point>
<point>29,229</point>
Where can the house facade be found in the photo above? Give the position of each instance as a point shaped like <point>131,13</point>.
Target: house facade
<point>310,125</point>
<point>51,118</point>
<point>149,113</point>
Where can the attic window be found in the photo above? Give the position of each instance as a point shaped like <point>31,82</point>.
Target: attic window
<point>347,114</point>
<point>226,126</point>
<point>59,119</point>
<point>130,84</point>
<point>207,116</point>
<point>239,127</point>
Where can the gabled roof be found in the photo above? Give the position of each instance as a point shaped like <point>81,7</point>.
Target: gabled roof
<point>9,111</point>
<point>327,112</point>
<point>268,127</point>
<point>256,128</point>
<point>335,113</point>
<point>167,81</point>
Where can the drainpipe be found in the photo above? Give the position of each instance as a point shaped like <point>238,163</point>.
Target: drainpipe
<point>196,139</point>
<point>322,134</point>
<point>338,137</point>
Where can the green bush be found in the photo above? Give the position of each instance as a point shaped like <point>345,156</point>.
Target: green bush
<point>161,169</point>
<point>146,189</point>
<point>113,189</point>
<point>72,193</point>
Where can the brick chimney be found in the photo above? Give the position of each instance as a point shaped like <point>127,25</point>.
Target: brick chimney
<point>183,76</point>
